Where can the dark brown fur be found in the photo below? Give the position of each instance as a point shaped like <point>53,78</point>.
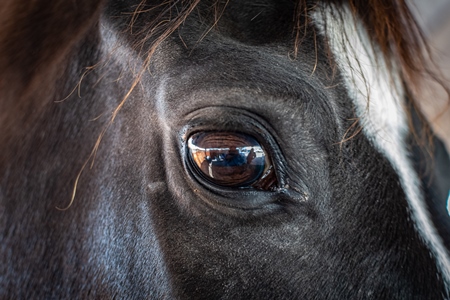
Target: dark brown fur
<point>34,37</point>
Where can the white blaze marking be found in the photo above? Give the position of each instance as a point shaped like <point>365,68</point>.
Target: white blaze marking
<point>378,97</point>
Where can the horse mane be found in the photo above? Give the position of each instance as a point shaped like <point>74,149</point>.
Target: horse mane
<point>395,33</point>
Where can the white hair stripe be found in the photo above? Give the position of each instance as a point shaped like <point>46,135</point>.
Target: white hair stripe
<point>378,98</point>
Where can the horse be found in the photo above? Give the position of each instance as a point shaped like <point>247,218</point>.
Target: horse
<point>218,150</point>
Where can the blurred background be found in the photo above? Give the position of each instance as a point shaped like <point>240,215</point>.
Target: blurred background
<point>434,17</point>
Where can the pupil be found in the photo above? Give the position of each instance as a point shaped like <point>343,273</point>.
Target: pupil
<point>227,158</point>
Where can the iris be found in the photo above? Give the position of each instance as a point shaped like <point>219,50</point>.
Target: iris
<point>228,159</point>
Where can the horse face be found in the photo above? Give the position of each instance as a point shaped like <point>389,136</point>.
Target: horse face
<point>334,224</point>
<point>165,213</point>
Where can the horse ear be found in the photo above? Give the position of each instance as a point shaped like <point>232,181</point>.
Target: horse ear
<point>35,35</point>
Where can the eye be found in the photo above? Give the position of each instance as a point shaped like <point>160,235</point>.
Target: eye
<point>231,159</point>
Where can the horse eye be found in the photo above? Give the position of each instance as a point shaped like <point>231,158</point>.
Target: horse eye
<point>231,159</point>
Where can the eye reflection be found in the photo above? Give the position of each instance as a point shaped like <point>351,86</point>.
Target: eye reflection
<point>228,159</point>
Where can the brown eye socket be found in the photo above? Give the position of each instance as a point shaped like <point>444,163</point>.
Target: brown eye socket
<point>230,159</point>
